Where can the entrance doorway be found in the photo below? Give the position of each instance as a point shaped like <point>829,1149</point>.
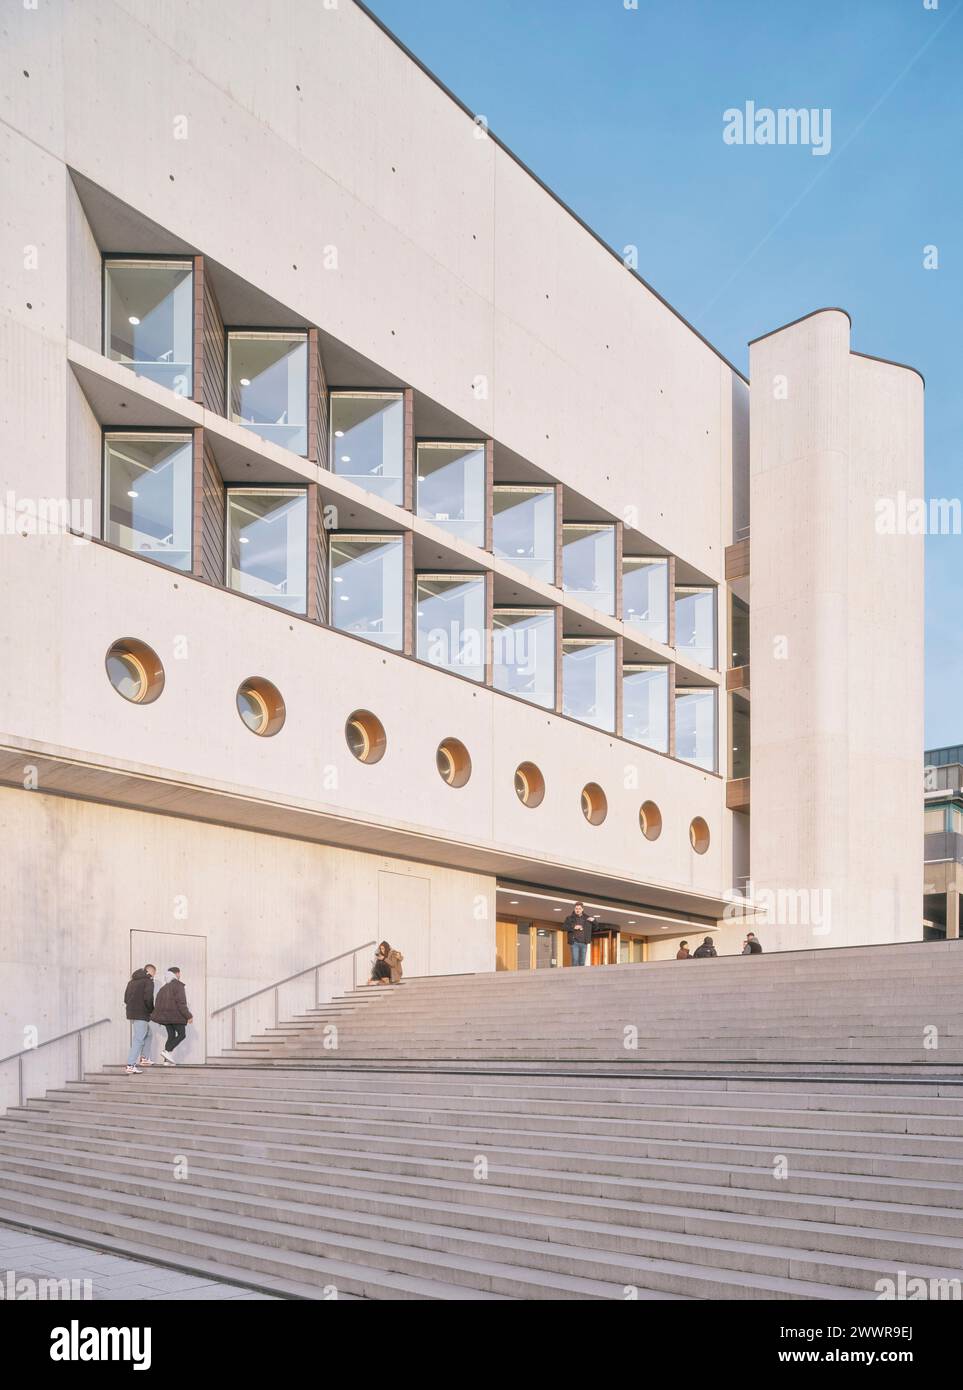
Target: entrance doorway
<point>528,945</point>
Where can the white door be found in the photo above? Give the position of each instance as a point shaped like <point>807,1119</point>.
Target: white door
<point>165,949</point>
<point>404,916</point>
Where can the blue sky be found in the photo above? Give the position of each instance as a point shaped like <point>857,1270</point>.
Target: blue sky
<point>619,111</point>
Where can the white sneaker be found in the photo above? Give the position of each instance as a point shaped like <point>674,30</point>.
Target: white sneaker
<point>169,1061</point>
<point>133,1071</point>
<point>165,1054</point>
<point>145,1062</point>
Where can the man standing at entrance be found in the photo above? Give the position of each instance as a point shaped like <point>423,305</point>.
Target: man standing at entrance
<point>579,929</point>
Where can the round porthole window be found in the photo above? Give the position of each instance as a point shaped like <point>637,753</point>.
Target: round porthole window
<point>594,805</point>
<point>650,820</point>
<point>453,762</point>
<point>699,835</point>
<point>365,736</point>
<point>529,785</point>
<point>135,671</point>
<point>260,705</point>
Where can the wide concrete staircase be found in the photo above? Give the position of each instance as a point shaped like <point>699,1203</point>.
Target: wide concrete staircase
<point>450,1147</point>
<point>885,1007</point>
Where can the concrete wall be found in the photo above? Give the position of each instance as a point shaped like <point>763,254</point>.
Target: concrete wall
<point>836,634</point>
<point>55,696</point>
<point>84,877</point>
<point>453,263</point>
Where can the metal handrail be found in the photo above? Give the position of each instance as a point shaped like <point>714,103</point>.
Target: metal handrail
<point>299,975</point>
<point>77,1033</point>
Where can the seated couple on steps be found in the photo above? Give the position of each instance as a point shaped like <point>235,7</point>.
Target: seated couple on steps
<point>169,1010</point>
<point>386,966</point>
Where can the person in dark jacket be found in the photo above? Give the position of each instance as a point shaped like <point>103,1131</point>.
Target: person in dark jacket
<point>579,929</point>
<point>752,946</point>
<point>683,952</point>
<point>139,1004</point>
<point>170,1009</point>
<point>706,949</point>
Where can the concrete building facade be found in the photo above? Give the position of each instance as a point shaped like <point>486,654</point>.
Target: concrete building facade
<point>246,241</point>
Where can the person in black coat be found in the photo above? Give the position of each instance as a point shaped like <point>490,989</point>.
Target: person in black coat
<point>139,1005</point>
<point>752,946</point>
<point>172,1011</point>
<point>579,929</point>
<point>707,949</point>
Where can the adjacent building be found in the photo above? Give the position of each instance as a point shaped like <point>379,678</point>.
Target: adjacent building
<point>378,556</point>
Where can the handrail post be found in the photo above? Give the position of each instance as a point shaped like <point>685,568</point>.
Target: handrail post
<point>233,1028</point>
<point>277,1016</point>
<point>20,1080</point>
<point>80,1056</point>
<point>317,988</point>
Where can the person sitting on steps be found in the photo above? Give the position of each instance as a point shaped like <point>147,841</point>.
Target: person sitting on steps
<point>386,967</point>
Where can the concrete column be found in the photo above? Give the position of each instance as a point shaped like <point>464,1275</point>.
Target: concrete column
<point>953,910</point>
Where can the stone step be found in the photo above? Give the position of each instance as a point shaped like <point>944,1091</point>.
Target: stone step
<point>853,1172</point>
<point>539,1082</point>
<point>527,1110</point>
<point>523,1188</point>
<point>763,1130</point>
<point>674,1225</point>
<point>537,1270</point>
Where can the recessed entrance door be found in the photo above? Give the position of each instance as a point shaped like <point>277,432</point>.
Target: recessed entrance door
<point>164,949</point>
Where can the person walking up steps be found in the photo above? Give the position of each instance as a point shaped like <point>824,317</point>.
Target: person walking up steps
<point>139,1004</point>
<point>170,1009</point>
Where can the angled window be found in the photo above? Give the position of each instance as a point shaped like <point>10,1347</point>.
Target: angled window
<point>695,725</point>
<point>588,681</point>
<point>450,617</point>
<point>368,441</point>
<point>523,653</point>
<point>267,550</point>
<point>451,489</point>
<point>739,733</point>
<point>267,380</point>
<point>588,564</point>
<point>149,319</point>
<point>148,495</point>
<point>695,624</point>
<point>524,528</point>
<point>645,594</point>
<point>367,588</point>
<point>738,632</point>
<point>645,706</point>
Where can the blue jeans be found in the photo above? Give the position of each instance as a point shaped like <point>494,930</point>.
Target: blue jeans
<point>140,1041</point>
<point>579,948</point>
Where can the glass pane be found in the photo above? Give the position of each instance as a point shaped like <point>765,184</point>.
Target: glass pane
<point>695,625</point>
<point>645,595</point>
<point>367,587</point>
<point>147,496</point>
<point>523,943</point>
<point>739,733</point>
<point>368,441</point>
<point>588,682</point>
<point>524,529</point>
<point>267,544</point>
<point>451,623</point>
<point>588,565</point>
<point>739,655</point>
<point>523,643</point>
<point>695,726</point>
<point>268,378</point>
<point>451,489</point>
<point>149,320</point>
<point>645,710</point>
